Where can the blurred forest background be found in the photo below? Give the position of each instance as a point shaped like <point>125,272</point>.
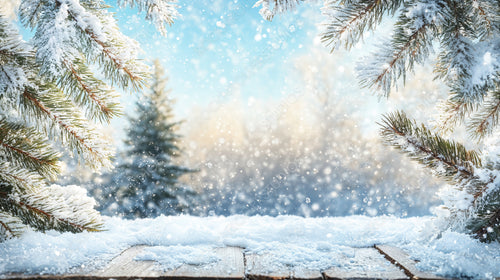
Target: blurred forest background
<point>312,152</point>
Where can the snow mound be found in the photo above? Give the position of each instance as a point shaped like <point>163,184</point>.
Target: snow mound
<point>291,240</point>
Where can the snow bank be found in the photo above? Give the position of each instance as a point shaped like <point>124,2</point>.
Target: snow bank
<point>297,241</point>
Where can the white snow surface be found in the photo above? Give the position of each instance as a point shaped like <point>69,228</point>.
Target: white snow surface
<point>292,240</point>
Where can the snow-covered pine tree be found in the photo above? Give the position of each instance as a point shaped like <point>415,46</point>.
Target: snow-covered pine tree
<point>468,34</point>
<point>146,183</point>
<point>52,93</point>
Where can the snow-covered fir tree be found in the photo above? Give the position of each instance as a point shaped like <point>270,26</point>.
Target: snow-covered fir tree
<point>146,183</point>
<point>55,90</point>
<point>467,37</point>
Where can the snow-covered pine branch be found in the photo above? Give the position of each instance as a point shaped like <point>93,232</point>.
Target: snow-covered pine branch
<point>33,153</point>
<point>14,53</point>
<point>99,100</point>
<point>44,104</point>
<point>25,200</point>
<point>62,121</point>
<point>410,45</point>
<point>486,14</point>
<point>160,12</point>
<point>447,158</point>
<point>54,207</point>
<point>10,226</point>
<point>346,23</point>
<point>466,65</point>
<point>50,95</point>
<point>270,8</point>
<point>66,30</point>
<point>453,110</point>
<point>473,200</point>
<point>484,121</point>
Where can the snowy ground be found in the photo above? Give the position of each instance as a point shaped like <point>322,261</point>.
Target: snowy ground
<point>293,240</point>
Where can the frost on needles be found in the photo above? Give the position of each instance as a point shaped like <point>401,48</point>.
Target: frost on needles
<point>467,37</point>
<point>51,95</point>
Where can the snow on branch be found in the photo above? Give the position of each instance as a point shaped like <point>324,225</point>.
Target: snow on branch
<point>98,99</point>
<point>486,120</point>
<point>468,65</point>
<point>54,207</point>
<point>13,52</point>
<point>270,8</point>
<point>10,226</point>
<point>410,44</point>
<point>15,179</point>
<point>25,200</point>
<point>60,119</point>
<point>160,12</point>
<point>485,12</point>
<point>66,30</point>
<point>32,153</point>
<point>454,111</point>
<point>447,158</point>
<point>473,202</point>
<point>346,23</point>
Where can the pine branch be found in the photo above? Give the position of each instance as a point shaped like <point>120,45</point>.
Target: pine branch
<point>160,12</point>
<point>411,44</point>
<point>45,208</point>
<point>487,16</point>
<point>117,54</point>
<point>89,92</point>
<point>486,223</point>
<point>270,8</point>
<point>66,122</point>
<point>347,23</point>
<point>66,29</point>
<point>10,226</point>
<point>123,72</point>
<point>486,120</point>
<point>30,12</point>
<point>447,158</point>
<point>14,179</point>
<point>14,53</point>
<point>49,208</point>
<point>33,153</point>
<point>458,58</point>
<point>454,111</point>
<point>490,230</point>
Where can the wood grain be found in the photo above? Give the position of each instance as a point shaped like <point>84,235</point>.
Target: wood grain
<point>402,259</point>
<point>258,268</point>
<point>364,263</point>
<point>124,265</point>
<point>230,266</point>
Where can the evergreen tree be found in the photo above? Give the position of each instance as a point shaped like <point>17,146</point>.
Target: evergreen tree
<point>467,32</point>
<point>55,90</point>
<point>146,183</point>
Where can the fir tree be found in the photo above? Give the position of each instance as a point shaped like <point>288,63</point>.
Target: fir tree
<point>54,90</point>
<point>146,183</point>
<point>468,38</point>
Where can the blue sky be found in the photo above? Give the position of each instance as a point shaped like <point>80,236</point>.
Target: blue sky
<point>219,49</point>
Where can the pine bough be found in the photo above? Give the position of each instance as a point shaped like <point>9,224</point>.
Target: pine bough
<point>467,35</point>
<point>50,96</point>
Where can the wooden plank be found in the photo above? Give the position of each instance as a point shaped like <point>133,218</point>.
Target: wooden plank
<point>402,259</point>
<point>230,266</point>
<point>301,273</point>
<point>258,267</point>
<point>124,265</point>
<point>364,263</point>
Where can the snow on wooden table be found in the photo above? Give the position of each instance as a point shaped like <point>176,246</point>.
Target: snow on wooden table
<point>379,262</point>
